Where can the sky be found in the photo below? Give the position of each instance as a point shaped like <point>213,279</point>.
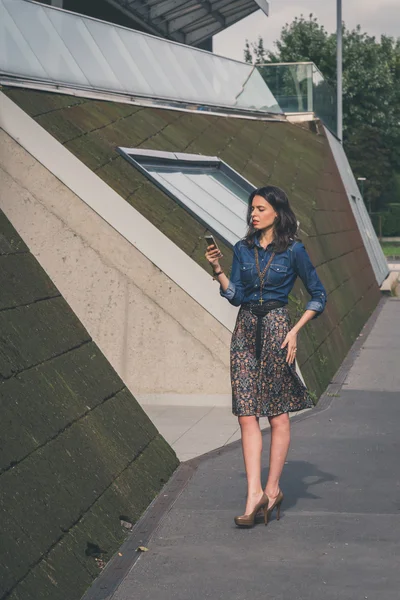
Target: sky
<point>376,17</point>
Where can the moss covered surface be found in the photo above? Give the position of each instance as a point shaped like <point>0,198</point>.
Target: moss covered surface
<point>290,156</point>
<point>76,450</point>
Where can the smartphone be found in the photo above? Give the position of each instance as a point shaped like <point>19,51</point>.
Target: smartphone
<point>210,240</point>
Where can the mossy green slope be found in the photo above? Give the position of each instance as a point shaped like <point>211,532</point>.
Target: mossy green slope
<point>77,452</point>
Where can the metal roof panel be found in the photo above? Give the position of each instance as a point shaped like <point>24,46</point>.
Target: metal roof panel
<point>191,21</point>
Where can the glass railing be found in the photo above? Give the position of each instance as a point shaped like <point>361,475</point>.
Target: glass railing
<point>56,48</point>
<point>299,88</point>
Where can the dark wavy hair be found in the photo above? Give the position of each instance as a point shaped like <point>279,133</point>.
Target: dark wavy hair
<point>285,225</point>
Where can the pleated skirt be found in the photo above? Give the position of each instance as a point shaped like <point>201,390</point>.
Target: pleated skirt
<point>269,386</point>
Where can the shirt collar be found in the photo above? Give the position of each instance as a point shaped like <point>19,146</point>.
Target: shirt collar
<point>257,243</point>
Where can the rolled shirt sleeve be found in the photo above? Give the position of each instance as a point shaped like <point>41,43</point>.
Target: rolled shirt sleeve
<point>235,291</point>
<point>308,274</point>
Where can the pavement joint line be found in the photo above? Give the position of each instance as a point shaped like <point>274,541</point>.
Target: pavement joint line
<point>123,561</point>
<point>194,425</point>
<point>234,433</point>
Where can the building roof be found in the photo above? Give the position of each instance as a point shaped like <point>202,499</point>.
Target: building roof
<point>189,21</point>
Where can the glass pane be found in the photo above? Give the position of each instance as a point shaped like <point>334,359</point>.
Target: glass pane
<point>290,85</point>
<point>325,101</point>
<point>212,213</point>
<point>87,54</point>
<point>119,58</point>
<point>62,47</point>
<point>301,87</point>
<point>254,88</point>
<point>220,194</point>
<point>240,192</point>
<point>16,57</point>
<point>46,44</point>
<point>218,200</point>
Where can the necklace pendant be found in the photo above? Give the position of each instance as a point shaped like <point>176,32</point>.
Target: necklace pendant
<point>261,301</point>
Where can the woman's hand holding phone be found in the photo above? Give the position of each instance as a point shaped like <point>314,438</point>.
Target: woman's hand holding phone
<point>213,253</point>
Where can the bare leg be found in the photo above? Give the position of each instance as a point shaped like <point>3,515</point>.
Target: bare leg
<point>252,447</point>
<point>280,441</point>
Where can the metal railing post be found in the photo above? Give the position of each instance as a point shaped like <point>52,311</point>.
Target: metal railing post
<point>339,59</point>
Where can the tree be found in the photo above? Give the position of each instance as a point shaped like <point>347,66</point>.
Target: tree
<point>256,54</point>
<point>371,95</point>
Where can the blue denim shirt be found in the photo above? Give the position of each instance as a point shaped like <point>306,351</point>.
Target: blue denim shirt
<point>244,284</point>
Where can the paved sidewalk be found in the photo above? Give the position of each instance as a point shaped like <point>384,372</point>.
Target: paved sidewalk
<point>194,430</point>
<point>339,535</point>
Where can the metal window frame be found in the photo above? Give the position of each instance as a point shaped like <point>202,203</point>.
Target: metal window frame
<point>137,157</point>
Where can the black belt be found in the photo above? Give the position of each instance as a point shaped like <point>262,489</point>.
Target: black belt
<point>260,310</point>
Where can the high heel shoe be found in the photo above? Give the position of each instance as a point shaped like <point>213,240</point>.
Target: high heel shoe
<point>277,505</point>
<point>249,520</point>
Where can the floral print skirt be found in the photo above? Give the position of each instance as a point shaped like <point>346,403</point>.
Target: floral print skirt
<point>269,386</point>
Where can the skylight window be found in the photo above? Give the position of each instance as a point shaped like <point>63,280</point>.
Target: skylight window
<point>206,186</point>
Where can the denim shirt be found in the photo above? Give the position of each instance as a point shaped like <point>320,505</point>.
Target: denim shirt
<point>244,284</point>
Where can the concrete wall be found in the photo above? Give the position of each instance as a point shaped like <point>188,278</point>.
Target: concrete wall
<point>77,452</point>
<point>153,333</point>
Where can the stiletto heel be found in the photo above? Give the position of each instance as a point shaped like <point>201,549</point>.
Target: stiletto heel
<point>277,505</point>
<point>266,514</point>
<point>249,520</point>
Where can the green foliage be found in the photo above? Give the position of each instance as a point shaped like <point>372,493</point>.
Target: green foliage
<point>371,96</point>
<point>255,52</point>
<point>391,250</point>
<point>313,396</point>
<point>391,221</point>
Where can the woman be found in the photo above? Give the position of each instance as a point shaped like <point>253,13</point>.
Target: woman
<point>264,342</point>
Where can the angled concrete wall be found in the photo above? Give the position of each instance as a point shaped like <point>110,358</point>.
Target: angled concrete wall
<point>294,157</point>
<point>154,334</point>
<point>77,452</point>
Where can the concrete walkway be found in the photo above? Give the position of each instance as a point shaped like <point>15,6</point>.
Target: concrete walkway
<point>194,430</point>
<point>339,535</point>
